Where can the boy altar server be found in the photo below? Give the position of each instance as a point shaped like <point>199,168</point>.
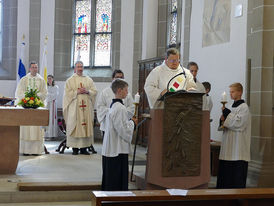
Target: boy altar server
<point>235,147</point>
<point>117,141</point>
<point>105,98</point>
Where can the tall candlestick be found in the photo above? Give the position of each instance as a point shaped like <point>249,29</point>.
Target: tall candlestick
<point>137,98</point>
<point>223,101</point>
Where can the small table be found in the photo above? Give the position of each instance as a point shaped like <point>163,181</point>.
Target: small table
<point>11,118</point>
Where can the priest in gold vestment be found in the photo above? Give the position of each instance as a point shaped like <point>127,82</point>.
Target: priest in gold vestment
<point>31,137</point>
<point>78,110</point>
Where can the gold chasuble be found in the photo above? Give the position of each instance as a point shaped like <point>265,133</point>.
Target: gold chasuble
<point>78,111</point>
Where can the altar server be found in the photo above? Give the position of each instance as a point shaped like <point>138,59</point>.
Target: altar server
<point>105,98</point>
<point>235,147</point>
<point>117,140</point>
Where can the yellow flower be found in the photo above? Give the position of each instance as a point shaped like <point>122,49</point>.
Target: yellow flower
<point>27,98</point>
<point>31,102</point>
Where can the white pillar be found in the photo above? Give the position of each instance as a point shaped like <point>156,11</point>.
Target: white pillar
<point>127,39</point>
<point>150,33</point>
<point>23,15</point>
<point>47,29</point>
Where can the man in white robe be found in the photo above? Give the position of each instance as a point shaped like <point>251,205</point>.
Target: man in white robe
<point>105,98</point>
<point>78,110</point>
<point>31,138</point>
<point>193,68</point>
<point>158,78</point>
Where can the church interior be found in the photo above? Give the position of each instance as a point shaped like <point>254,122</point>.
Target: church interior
<point>230,40</point>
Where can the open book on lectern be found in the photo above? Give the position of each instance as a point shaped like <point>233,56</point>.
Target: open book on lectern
<point>167,94</point>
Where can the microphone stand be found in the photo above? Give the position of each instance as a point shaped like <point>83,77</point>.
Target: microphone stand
<point>168,92</point>
<point>182,73</point>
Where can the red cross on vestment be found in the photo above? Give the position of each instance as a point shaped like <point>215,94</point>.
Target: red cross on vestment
<point>81,85</point>
<point>83,109</point>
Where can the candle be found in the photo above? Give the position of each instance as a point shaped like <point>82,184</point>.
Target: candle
<point>137,98</point>
<point>224,97</point>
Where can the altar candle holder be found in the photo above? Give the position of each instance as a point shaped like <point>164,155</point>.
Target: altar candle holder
<point>223,102</point>
<point>136,103</point>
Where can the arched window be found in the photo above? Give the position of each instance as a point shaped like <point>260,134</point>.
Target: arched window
<point>173,24</point>
<point>92,32</point>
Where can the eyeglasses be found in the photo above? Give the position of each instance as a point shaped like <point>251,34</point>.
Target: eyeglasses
<point>173,60</point>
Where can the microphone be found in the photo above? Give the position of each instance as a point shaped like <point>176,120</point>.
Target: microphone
<point>182,73</point>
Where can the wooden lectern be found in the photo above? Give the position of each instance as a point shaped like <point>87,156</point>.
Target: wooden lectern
<point>179,144</point>
<point>10,121</point>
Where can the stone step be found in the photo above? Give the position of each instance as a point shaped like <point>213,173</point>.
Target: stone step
<point>82,203</point>
<point>45,196</point>
<point>58,186</point>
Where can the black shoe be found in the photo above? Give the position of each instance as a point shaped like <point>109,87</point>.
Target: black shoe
<point>24,154</point>
<point>91,148</point>
<point>84,151</point>
<point>75,151</point>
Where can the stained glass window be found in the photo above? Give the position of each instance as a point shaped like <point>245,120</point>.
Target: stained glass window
<point>103,33</point>
<point>103,15</point>
<point>173,5</point>
<point>102,49</point>
<point>82,17</point>
<point>173,22</point>
<point>173,29</point>
<point>93,36</point>
<point>82,49</point>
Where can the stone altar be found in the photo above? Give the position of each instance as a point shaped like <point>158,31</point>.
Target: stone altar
<point>11,118</point>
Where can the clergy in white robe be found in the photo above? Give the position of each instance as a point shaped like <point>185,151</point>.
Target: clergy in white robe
<point>200,86</point>
<point>158,78</point>
<point>31,137</point>
<point>53,92</point>
<point>117,141</point>
<point>208,104</point>
<point>235,146</point>
<point>105,98</point>
<point>78,110</point>
<point>193,68</point>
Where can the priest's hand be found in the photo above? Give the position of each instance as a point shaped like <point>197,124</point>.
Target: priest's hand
<point>163,92</point>
<point>82,91</point>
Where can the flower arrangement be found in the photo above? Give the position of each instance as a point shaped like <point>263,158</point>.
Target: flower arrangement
<point>31,99</point>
